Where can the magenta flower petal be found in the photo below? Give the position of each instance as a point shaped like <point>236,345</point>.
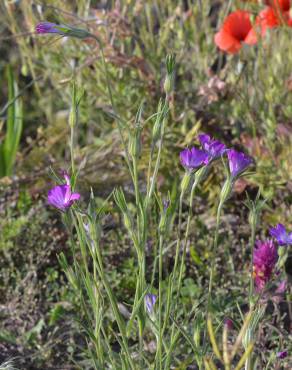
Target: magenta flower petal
<point>280,234</point>
<point>61,196</point>
<point>74,197</point>
<point>238,162</point>
<point>265,257</point>
<point>214,148</point>
<point>193,158</point>
<point>57,195</point>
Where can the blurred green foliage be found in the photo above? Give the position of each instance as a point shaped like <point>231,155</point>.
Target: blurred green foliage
<point>13,125</point>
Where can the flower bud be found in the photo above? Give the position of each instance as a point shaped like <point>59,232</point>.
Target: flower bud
<point>62,30</point>
<point>156,130</point>
<point>127,221</point>
<point>185,181</point>
<point>253,218</point>
<point>226,191</point>
<point>167,86</point>
<point>135,146</point>
<point>72,117</point>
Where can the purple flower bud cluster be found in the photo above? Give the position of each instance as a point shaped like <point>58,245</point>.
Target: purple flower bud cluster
<point>265,257</point>
<point>212,149</point>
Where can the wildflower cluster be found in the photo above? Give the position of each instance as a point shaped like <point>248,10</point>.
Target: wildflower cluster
<point>238,29</point>
<point>162,309</point>
<point>213,149</point>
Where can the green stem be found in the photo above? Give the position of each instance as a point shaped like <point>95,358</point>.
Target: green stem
<point>72,152</point>
<point>149,169</point>
<point>140,344</point>
<point>251,283</point>
<point>120,321</point>
<point>172,282</point>
<point>199,175</point>
<point>159,345</point>
<point>156,168</point>
<point>119,121</point>
<point>248,360</point>
<point>212,270</point>
<point>213,258</point>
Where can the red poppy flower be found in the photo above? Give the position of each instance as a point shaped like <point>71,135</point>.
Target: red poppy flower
<point>236,29</point>
<point>278,13</point>
<point>266,19</point>
<point>283,5</point>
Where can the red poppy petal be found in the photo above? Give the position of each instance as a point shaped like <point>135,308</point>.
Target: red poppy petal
<point>226,42</point>
<point>238,24</point>
<point>279,4</point>
<point>266,19</point>
<point>252,37</point>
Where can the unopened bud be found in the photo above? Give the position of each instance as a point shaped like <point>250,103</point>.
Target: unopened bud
<point>185,181</point>
<point>226,191</point>
<point>72,117</point>
<point>62,30</point>
<point>167,86</point>
<point>127,221</point>
<point>135,145</point>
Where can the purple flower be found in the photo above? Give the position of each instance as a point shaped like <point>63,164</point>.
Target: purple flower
<point>238,162</point>
<point>166,204</point>
<point>279,232</point>
<point>48,27</point>
<point>150,300</point>
<point>61,196</point>
<point>265,257</point>
<point>214,148</point>
<point>228,323</point>
<point>62,29</point>
<point>193,158</point>
<point>282,354</point>
<point>282,287</point>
